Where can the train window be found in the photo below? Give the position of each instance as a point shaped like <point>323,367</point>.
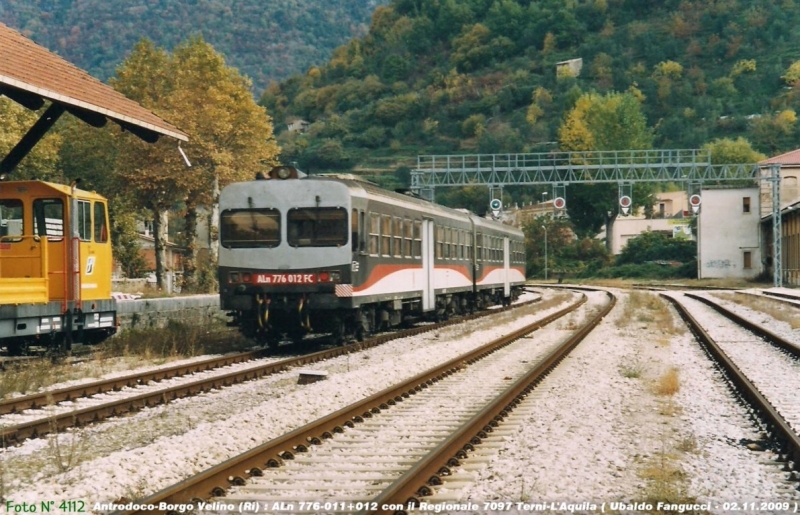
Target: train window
<point>398,237</point>
<point>84,220</point>
<point>417,250</point>
<point>316,227</point>
<point>439,241</point>
<point>100,225</point>
<point>48,218</point>
<point>250,228</point>
<point>362,239</point>
<point>462,237</point>
<point>354,231</point>
<point>374,233</point>
<point>10,219</point>
<point>446,251</point>
<point>386,235</point>
<point>479,246</point>
<point>408,238</point>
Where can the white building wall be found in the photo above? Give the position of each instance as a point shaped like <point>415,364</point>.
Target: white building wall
<point>727,232</point>
<point>625,229</point>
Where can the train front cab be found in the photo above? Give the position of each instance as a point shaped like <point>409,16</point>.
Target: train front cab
<point>285,257</point>
<point>55,289</point>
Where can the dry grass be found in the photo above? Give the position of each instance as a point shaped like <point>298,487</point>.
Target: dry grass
<point>66,450</point>
<point>130,349</point>
<point>684,283</point>
<point>769,307</point>
<point>463,330</point>
<point>668,384</point>
<point>650,309</point>
<point>632,369</point>
<point>666,481</point>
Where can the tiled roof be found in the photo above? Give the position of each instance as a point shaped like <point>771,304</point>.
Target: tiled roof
<point>789,158</point>
<point>31,68</point>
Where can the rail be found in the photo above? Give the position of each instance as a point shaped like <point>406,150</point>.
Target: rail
<point>778,427</point>
<point>214,481</point>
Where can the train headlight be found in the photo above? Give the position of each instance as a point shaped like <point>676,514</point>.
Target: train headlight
<point>336,276</point>
<point>284,173</point>
<point>233,277</point>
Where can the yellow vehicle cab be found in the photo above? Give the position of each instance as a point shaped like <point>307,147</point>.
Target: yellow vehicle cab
<point>55,267</point>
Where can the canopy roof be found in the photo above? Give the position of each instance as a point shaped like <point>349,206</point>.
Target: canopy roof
<point>31,74</point>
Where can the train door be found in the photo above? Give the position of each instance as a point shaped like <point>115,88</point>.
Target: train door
<point>48,223</point>
<point>82,258</point>
<point>428,293</point>
<point>358,241</point>
<point>506,266</point>
<point>99,263</point>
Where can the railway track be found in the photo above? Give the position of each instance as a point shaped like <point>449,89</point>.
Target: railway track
<point>17,433</point>
<point>469,389</point>
<point>765,379</point>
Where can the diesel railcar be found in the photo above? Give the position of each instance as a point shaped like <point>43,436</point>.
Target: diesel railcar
<point>337,255</point>
<point>55,267</point>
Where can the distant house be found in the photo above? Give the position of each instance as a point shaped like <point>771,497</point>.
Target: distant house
<point>790,171</point>
<point>570,68</point>
<point>670,216</point>
<point>518,216</point>
<point>300,126</point>
<point>790,215</point>
<point>728,239</point>
<point>174,252</point>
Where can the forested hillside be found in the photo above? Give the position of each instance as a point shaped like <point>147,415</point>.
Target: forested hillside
<point>455,76</point>
<point>266,40</point>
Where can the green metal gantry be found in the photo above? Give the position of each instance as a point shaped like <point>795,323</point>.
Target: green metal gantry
<point>496,171</point>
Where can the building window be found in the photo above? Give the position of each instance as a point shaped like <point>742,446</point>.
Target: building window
<point>748,259</point>
<point>746,205</point>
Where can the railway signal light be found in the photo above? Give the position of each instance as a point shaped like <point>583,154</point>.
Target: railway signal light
<point>496,205</point>
<point>694,202</point>
<point>625,204</point>
<point>559,203</point>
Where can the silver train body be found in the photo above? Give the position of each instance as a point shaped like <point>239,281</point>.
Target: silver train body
<point>332,255</point>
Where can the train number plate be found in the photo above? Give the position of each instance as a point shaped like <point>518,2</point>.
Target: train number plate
<point>286,278</point>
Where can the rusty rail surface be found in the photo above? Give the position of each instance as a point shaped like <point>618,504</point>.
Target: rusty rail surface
<point>783,297</point>
<point>235,471</point>
<point>756,329</point>
<point>421,480</point>
<point>39,400</point>
<point>13,435</point>
<point>777,427</point>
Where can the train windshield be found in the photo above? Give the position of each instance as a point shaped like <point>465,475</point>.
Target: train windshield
<point>317,227</point>
<point>250,228</point>
<point>48,218</point>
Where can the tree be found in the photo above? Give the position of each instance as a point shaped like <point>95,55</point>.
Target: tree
<point>609,122</point>
<point>230,136</point>
<point>656,246</point>
<point>730,151</point>
<point>154,173</point>
<point>41,162</point>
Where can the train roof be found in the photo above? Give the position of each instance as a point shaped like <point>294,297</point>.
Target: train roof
<point>7,187</point>
<point>373,189</point>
